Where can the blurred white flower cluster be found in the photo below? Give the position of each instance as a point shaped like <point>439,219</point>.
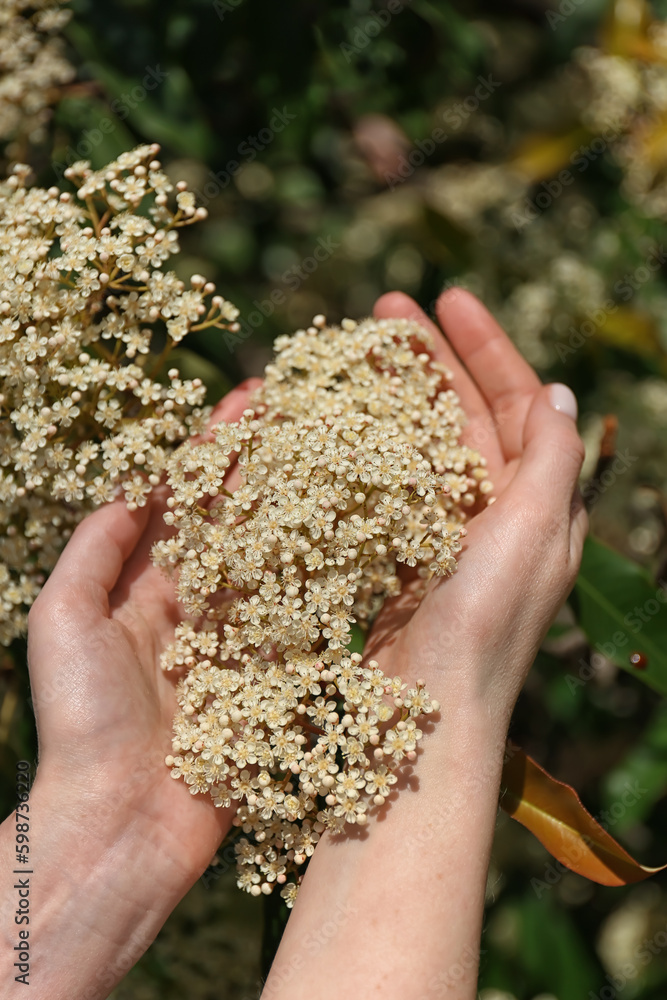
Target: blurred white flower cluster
<point>349,463</point>
<point>32,65</point>
<point>631,92</point>
<point>83,297</point>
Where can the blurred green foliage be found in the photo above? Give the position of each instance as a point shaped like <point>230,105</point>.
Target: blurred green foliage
<point>296,123</point>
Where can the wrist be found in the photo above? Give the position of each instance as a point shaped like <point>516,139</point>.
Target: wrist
<point>114,838</point>
<point>93,909</point>
<point>428,850</point>
<point>468,733</point>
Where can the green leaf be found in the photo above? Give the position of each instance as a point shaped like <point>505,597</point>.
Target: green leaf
<point>557,961</point>
<point>640,779</point>
<point>445,241</point>
<point>93,132</point>
<point>358,640</point>
<point>175,122</point>
<point>162,105</point>
<point>557,631</point>
<point>622,611</point>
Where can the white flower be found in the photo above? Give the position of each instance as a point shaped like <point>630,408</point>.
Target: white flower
<point>75,350</point>
<point>335,485</point>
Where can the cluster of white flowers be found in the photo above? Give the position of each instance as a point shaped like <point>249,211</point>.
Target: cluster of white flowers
<point>465,193</point>
<point>350,462</point>
<point>630,93</point>
<point>563,252</point>
<point>32,65</point>
<point>613,89</point>
<point>568,286</point>
<point>82,299</point>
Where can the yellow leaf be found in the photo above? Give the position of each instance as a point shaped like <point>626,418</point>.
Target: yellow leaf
<point>627,31</point>
<point>649,142</point>
<point>542,156</point>
<point>631,330</point>
<point>554,813</point>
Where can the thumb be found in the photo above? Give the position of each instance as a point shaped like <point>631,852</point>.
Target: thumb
<point>553,452</point>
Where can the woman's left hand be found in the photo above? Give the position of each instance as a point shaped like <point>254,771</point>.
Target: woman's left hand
<point>116,842</point>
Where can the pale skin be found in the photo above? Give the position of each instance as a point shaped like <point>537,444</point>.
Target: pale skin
<point>396,912</point>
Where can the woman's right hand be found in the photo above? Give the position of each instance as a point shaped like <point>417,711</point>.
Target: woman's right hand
<point>395,910</point>
<point>474,635</point>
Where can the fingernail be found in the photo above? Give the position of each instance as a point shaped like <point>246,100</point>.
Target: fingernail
<point>563,400</point>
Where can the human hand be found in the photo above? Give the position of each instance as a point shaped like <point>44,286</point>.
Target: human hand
<point>396,910</point>
<point>104,708</point>
<point>116,841</point>
<point>475,635</point>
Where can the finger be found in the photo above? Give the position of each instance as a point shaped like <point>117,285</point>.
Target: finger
<point>138,574</point>
<point>71,613</point>
<point>139,582</point>
<point>480,433</point>
<point>94,557</point>
<point>397,305</point>
<point>150,588</point>
<point>504,378</point>
<point>551,463</point>
<point>230,408</point>
<point>534,531</point>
